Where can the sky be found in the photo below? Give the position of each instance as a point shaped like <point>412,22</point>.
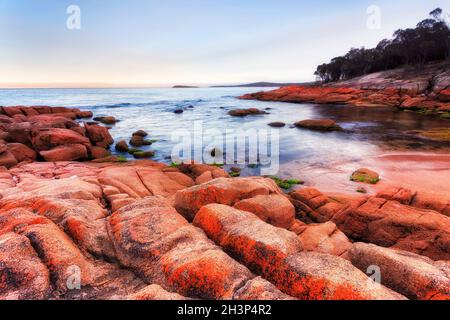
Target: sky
<point>189,42</point>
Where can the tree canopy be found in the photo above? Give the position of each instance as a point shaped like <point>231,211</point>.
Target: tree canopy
<point>428,41</point>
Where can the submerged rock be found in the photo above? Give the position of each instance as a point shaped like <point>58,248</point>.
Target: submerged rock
<point>319,125</point>
<point>106,120</point>
<point>144,154</point>
<point>277,124</point>
<point>122,146</point>
<point>141,133</point>
<point>246,112</point>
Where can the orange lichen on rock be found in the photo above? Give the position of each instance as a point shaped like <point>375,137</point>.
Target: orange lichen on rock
<point>22,274</point>
<point>391,224</point>
<point>154,240</point>
<point>274,253</point>
<point>414,276</point>
<point>223,191</point>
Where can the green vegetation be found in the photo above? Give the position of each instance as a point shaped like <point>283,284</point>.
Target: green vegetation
<point>429,41</point>
<point>286,184</point>
<point>436,134</point>
<point>175,165</point>
<point>363,179</point>
<point>445,115</point>
<point>218,165</point>
<point>144,154</point>
<point>235,174</point>
<point>426,112</point>
<point>122,159</point>
<point>133,151</point>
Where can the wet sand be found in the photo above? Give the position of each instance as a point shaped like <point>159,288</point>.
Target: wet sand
<point>424,172</point>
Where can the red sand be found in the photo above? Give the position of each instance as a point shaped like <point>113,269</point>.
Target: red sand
<point>429,173</point>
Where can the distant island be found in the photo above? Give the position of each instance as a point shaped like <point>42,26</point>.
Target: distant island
<point>263,84</point>
<point>184,87</point>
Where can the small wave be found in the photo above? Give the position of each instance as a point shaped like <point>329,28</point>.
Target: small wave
<point>161,103</point>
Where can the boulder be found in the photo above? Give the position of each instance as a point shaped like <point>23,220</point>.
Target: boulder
<point>144,154</point>
<point>312,205</point>
<point>366,176</point>
<point>444,95</point>
<point>324,238</point>
<point>275,254</point>
<point>47,139</point>
<point>258,245</point>
<point>246,112</point>
<point>99,136</point>
<point>392,224</point>
<point>319,125</point>
<point>151,238</point>
<point>106,120</point>
<point>7,159</point>
<point>318,276</point>
<point>412,275</point>
<point>419,103</point>
<point>51,121</point>
<point>137,141</point>
<point>24,276</point>
<point>99,152</point>
<point>140,133</point>
<point>84,114</point>
<point>20,132</point>
<point>21,152</point>
<point>277,124</point>
<point>223,191</point>
<point>122,146</point>
<point>67,152</point>
<point>204,177</point>
<point>274,209</point>
<point>12,111</point>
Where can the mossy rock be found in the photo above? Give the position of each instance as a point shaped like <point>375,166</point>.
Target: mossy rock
<point>140,133</point>
<point>133,151</point>
<point>144,154</point>
<point>286,184</point>
<point>437,134</point>
<point>365,175</point>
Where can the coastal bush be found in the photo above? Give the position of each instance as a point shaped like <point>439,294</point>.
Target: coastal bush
<point>429,41</point>
<point>235,174</point>
<point>286,184</point>
<point>445,115</point>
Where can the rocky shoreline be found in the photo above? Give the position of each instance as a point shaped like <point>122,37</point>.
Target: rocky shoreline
<point>426,90</point>
<point>50,134</point>
<point>142,230</point>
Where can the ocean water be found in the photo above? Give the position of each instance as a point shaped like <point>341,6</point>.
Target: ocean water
<point>369,131</point>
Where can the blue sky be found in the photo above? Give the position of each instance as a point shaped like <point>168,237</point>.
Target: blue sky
<point>146,42</point>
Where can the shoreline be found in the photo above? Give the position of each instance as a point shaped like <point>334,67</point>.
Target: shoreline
<point>425,173</point>
<point>144,230</point>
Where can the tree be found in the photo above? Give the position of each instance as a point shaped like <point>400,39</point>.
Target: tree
<point>428,41</point>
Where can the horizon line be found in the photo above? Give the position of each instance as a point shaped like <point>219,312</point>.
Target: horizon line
<point>6,86</point>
